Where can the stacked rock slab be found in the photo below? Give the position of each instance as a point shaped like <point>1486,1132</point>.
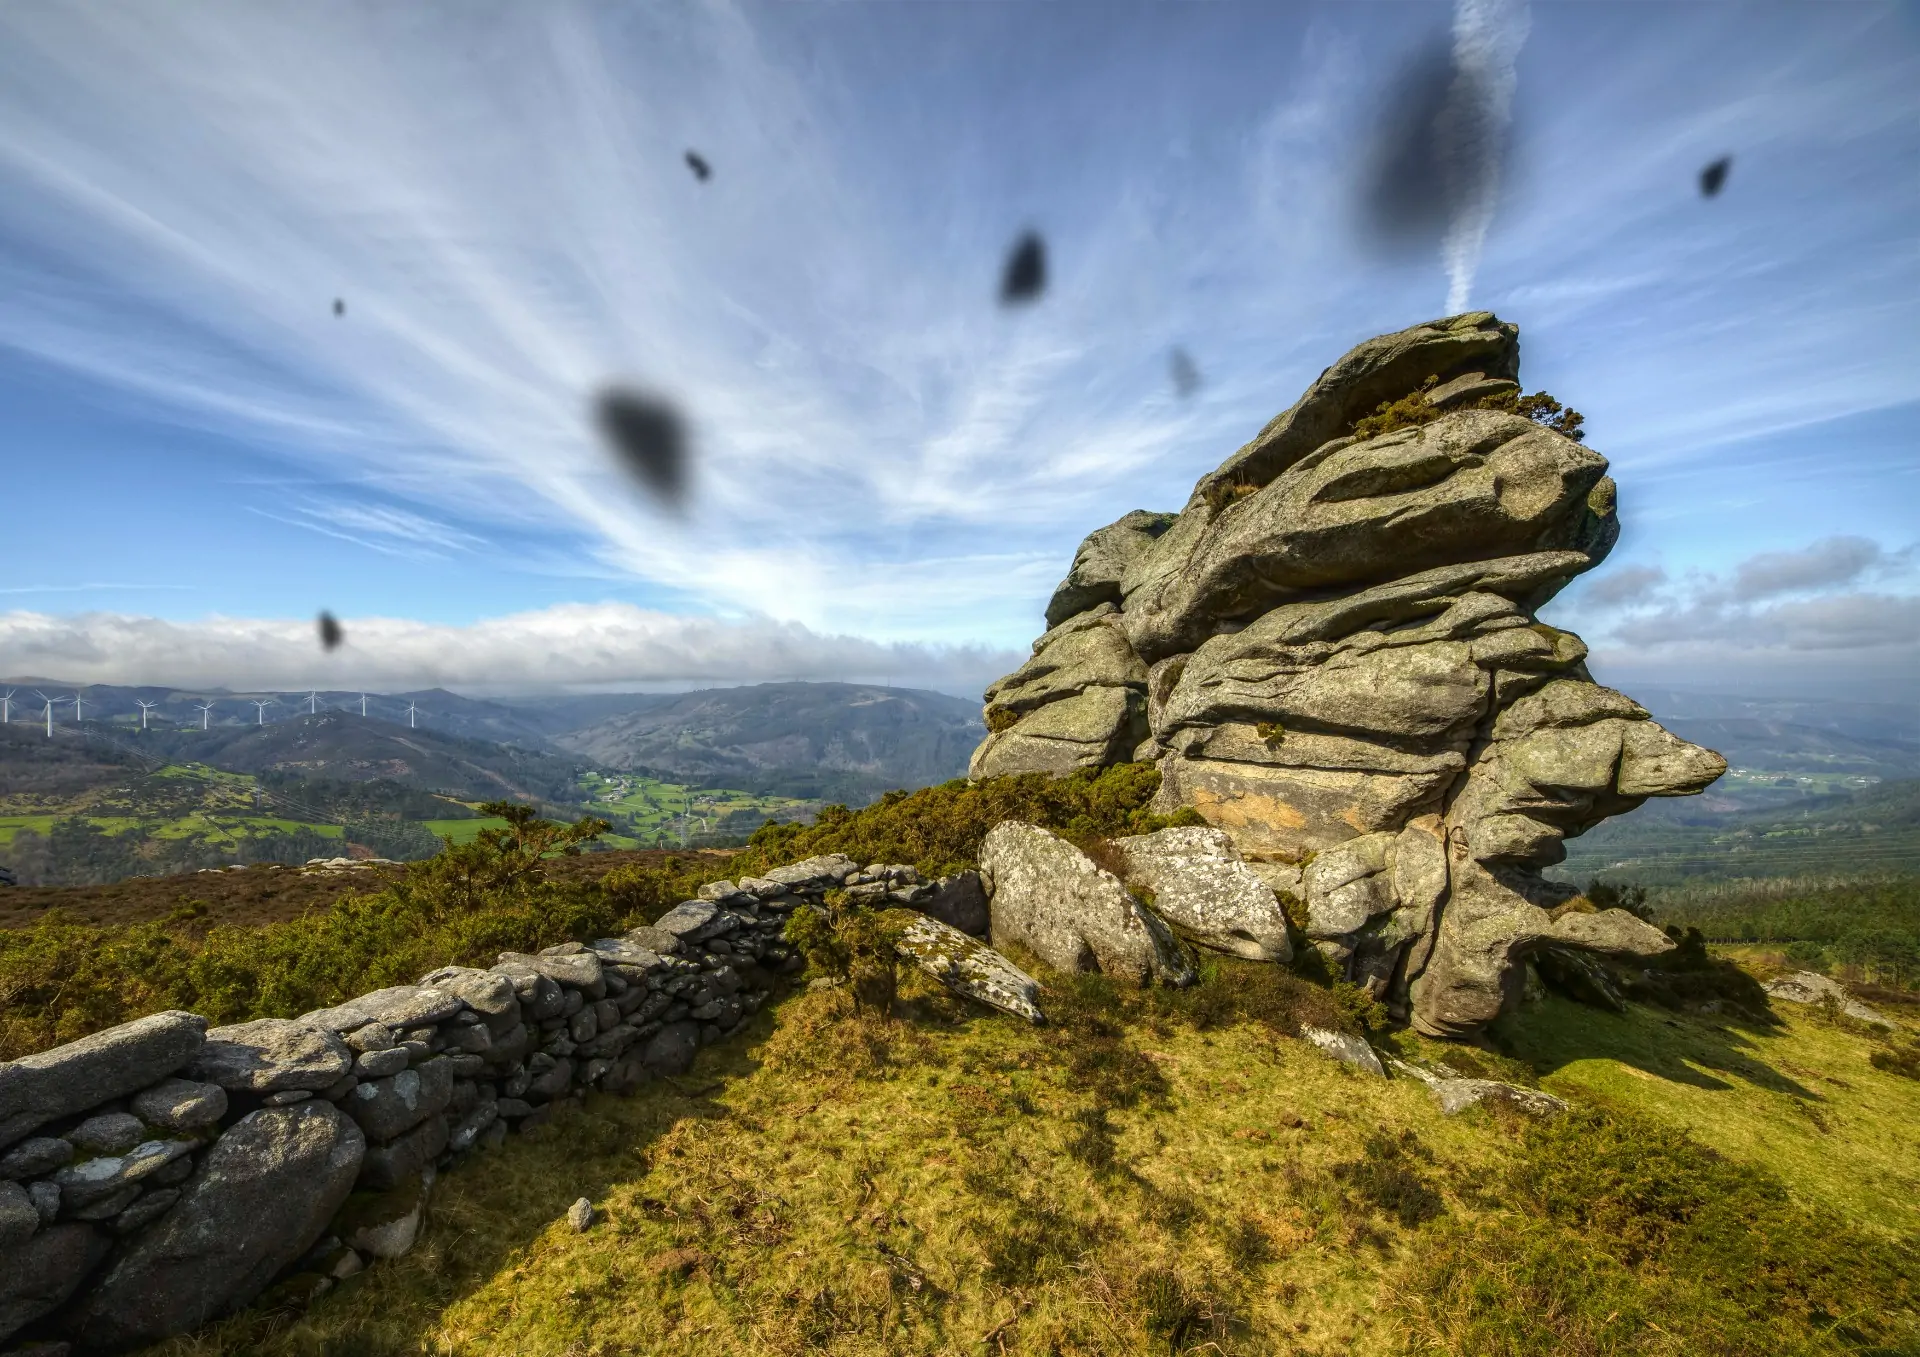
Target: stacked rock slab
<point>1334,655</point>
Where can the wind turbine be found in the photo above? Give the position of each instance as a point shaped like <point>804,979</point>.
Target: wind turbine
<point>260,709</point>
<point>313,702</point>
<point>363,705</point>
<point>204,708</point>
<point>49,701</point>
<point>76,706</point>
<point>6,707</point>
<point>410,711</point>
<point>144,707</point>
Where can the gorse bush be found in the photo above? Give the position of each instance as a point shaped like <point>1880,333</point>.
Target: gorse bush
<point>1413,410</point>
<point>939,829</point>
<point>61,979</point>
<point>846,941</point>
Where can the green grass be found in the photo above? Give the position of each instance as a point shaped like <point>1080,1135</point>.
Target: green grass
<point>653,812</point>
<point>1800,1100</point>
<point>13,824</point>
<point>202,772</point>
<point>1149,1174</point>
<point>219,827</point>
<point>215,827</point>
<point>463,831</point>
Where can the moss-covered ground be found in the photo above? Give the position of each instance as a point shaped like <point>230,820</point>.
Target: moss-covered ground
<point>1153,1174</point>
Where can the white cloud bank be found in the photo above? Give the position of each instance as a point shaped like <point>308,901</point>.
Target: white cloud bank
<point>569,646</point>
<point>1778,620</point>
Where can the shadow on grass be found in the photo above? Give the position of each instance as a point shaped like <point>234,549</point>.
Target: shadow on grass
<point>1681,1048</point>
<point>489,1212</point>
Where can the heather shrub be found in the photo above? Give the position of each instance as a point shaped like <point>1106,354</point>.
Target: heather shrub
<point>939,829</point>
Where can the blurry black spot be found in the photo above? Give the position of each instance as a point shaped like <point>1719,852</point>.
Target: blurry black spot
<point>647,436</point>
<point>698,164</point>
<point>1026,273</point>
<point>339,307</point>
<point>1186,377</point>
<point>330,633</point>
<point>1404,196</point>
<point>1439,149</point>
<point>1714,177</point>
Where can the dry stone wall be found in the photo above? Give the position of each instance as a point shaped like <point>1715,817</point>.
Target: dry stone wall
<point>1334,655</point>
<point>159,1174</point>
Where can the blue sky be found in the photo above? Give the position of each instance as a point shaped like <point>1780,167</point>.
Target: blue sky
<point>893,470</point>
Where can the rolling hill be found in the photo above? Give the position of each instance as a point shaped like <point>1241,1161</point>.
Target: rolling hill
<point>347,747</point>
<point>832,741</point>
<point>1873,830</point>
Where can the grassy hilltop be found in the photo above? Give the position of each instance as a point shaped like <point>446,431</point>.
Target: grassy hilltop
<point>1155,1171</point>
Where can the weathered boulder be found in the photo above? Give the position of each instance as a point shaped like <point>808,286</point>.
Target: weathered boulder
<point>959,901</point>
<point>388,1107</point>
<point>1051,898</point>
<point>1457,1095</point>
<point>271,1055</point>
<point>19,1217</point>
<point>95,1069</point>
<point>38,1275</point>
<point>671,1050</point>
<point>399,1006</point>
<point>1345,1048</point>
<point>260,1200</point>
<point>1475,483</point>
<point>810,875</point>
<point>180,1105</point>
<point>35,1156</point>
<point>1334,654</point>
<point>406,1156</point>
<point>1102,563</point>
<point>108,1133</point>
<point>1810,987</point>
<point>1380,369</point>
<point>1088,729</point>
<point>1203,887</point>
<point>569,964</point>
<point>384,1224</point>
<point>964,964</point>
<point>106,1178</point>
<point>692,921</point>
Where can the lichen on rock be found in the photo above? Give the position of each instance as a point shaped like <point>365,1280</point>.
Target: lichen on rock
<point>1335,656</point>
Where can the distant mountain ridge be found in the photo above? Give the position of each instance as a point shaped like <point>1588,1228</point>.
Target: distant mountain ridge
<point>832,741</point>
<point>814,741</point>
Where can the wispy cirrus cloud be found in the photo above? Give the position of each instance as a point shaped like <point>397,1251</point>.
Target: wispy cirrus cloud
<point>499,199</point>
<point>378,527</point>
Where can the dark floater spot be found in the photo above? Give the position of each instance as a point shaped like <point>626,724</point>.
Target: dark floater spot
<point>331,633</point>
<point>1186,377</point>
<point>698,164</point>
<point>1026,273</point>
<point>649,439</point>
<point>339,307</point>
<point>1714,177</point>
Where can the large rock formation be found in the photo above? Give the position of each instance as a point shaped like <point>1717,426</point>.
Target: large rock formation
<point>1333,654</point>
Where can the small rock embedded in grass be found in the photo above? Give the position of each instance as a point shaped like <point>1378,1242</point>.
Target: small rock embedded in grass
<point>580,1216</point>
